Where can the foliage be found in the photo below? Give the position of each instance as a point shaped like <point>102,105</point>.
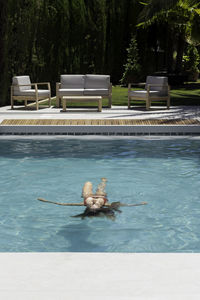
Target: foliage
<point>191,59</point>
<point>191,63</point>
<point>132,72</point>
<point>181,20</point>
<point>46,38</point>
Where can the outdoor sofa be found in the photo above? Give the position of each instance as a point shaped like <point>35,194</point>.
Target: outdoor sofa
<point>21,89</point>
<point>84,86</point>
<point>156,89</point>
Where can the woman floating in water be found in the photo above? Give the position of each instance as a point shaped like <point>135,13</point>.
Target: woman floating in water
<point>97,200</point>
<point>96,204</point>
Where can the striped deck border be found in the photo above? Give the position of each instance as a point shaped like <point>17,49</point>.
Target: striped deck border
<point>99,122</point>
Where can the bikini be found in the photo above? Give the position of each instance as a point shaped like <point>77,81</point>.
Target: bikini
<point>96,196</point>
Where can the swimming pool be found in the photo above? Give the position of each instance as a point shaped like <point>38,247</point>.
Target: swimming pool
<point>165,173</point>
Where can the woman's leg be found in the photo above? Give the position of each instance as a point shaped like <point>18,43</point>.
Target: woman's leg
<point>101,188</point>
<point>87,190</point>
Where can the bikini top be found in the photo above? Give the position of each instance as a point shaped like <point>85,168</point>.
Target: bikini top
<point>96,196</point>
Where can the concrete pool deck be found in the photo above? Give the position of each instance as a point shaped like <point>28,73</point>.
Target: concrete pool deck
<point>117,113</point>
<point>95,276</point>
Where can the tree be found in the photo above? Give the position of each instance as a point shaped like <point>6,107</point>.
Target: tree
<point>3,42</point>
<point>46,38</point>
<point>180,18</point>
<point>132,72</point>
<point>191,61</point>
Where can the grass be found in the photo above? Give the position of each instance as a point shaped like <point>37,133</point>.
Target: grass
<point>187,94</point>
<point>119,97</point>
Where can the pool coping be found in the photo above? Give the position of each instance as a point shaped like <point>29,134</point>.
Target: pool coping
<point>95,276</point>
<point>100,130</point>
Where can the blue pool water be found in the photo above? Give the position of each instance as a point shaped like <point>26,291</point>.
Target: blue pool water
<point>165,173</point>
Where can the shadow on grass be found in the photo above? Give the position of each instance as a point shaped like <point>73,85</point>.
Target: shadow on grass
<point>188,86</point>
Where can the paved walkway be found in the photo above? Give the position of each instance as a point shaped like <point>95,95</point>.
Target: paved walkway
<point>116,112</point>
<point>99,276</point>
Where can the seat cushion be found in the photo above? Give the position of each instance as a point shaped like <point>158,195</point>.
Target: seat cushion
<point>97,81</point>
<point>31,92</point>
<point>96,92</point>
<point>72,81</point>
<point>20,80</point>
<point>70,92</point>
<point>143,94</point>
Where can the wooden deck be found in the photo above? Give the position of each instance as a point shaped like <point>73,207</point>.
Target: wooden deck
<point>118,122</point>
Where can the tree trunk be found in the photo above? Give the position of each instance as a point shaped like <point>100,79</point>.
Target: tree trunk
<point>170,51</point>
<point>180,51</point>
<point>3,57</point>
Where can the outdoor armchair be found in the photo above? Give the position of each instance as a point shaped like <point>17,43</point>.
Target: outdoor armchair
<point>23,89</point>
<point>156,89</point>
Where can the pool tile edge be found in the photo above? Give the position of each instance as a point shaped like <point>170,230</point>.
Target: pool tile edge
<point>100,130</point>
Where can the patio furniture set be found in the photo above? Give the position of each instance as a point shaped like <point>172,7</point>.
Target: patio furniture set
<point>86,88</point>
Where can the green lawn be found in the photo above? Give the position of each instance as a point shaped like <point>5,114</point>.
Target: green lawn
<point>187,94</point>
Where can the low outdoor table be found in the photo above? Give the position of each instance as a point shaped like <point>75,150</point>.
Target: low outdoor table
<point>66,99</point>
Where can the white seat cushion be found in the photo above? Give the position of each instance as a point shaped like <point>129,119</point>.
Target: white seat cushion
<point>97,81</point>
<point>72,81</point>
<point>70,92</point>
<point>143,94</point>
<point>96,92</point>
<point>31,92</point>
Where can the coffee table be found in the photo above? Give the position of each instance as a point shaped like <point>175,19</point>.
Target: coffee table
<point>66,99</point>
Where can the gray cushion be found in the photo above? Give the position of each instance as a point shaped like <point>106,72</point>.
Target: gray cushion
<point>161,83</point>
<point>20,80</point>
<point>97,81</point>
<point>142,94</point>
<point>72,81</point>
<point>31,92</point>
<point>96,92</point>
<point>70,92</point>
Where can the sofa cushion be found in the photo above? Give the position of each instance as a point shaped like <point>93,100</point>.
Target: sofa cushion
<point>31,92</point>
<point>97,81</point>
<point>70,92</point>
<point>20,80</point>
<point>72,81</point>
<point>95,92</point>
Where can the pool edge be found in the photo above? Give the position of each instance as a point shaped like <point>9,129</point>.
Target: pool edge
<point>100,130</point>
